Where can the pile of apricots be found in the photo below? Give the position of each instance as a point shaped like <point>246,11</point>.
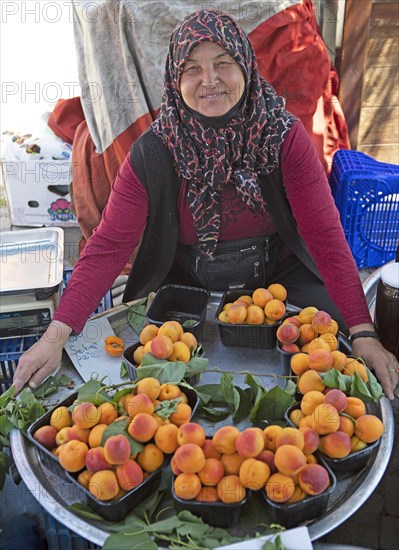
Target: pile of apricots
<point>109,471</point>
<point>264,306</point>
<point>169,341</point>
<point>276,460</point>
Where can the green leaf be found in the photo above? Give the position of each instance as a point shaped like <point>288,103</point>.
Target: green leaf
<point>7,395</point>
<point>275,544</point>
<point>115,428</point>
<point>335,379</point>
<point>150,504</point>
<point>84,511</point>
<point>92,391</point>
<point>122,541</point>
<point>214,390</point>
<point>4,465</point>
<point>190,323</point>
<point>272,405</point>
<point>215,415</point>
<point>245,406</point>
<point>230,394</point>
<point>136,315</point>
<point>165,408</point>
<point>359,389</point>
<point>125,391</point>
<point>124,371</point>
<point>290,386</point>
<point>255,385</point>
<point>135,446</point>
<point>5,425</point>
<point>196,365</point>
<point>167,372</point>
<point>65,381</point>
<point>374,387</point>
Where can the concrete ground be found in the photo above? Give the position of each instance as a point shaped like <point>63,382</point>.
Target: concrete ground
<point>374,526</point>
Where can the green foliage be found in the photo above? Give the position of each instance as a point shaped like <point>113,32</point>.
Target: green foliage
<point>136,315</point>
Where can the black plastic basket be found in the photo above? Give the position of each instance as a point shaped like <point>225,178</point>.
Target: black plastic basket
<point>311,508</point>
<point>252,336</point>
<point>182,304</point>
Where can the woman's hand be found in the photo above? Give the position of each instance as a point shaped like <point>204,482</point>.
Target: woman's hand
<point>380,360</point>
<point>43,357</point>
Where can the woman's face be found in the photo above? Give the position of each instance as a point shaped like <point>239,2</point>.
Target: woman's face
<point>212,82</point>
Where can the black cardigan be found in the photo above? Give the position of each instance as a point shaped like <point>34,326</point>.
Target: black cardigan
<point>152,163</point>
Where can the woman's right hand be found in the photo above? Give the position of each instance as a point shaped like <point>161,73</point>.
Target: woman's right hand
<point>43,357</point>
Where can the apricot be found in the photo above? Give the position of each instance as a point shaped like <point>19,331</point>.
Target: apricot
<point>299,363</point>
<point>84,478</point>
<point>191,432</point>
<point>320,360</point>
<point>150,458</point>
<point>321,321</point>
<point>311,459</point>
<point>142,427</point>
<point>357,444</point>
<point>317,344</point>
<point>298,495</point>
<point>147,348</point>
<point>346,425</point>
<point>249,443</point>
<point>278,291</point>
<point>170,331</point>
<point>60,418</point>
<point>129,475</point>
<point>190,340</point>
<point>166,438</point>
<point>96,461</point>
<point>275,309</point>
<point>290,348</point>
<point>223,317</point>
<point>289,459</point>
<point>224,439</point>
<point>189,458</point>
<point>209,449</point>
<point>212,472</point>
<point>353,366</point>
<point>295,416</point>
<point>311,400</point>
<point>325,419</point>
<point>306,334</point>
<point>290,436</point>
<point>261,296</point>
<point>80,434</point>
<point>306,421</point>
<point>46,436</point>
<point>85,415</point>
<point>230,489</point>
<point>150,386</point>
<point>227,306</point>
<point>161,347</point>
<point>270,433</point>
<point>207,494</point>
<point>108,413</point>
<point>232,463</point>
<point>138,355</point>
<point>181,415</point>
<point>306,314</point>
<point>169,391</point>
<point>175,324</point>
<point>355,407</point>
<point>254,474</point>
<point>136,404</point>
<point>310,380</point>
<point>63,436</point>
<point>331,340</point>
<point>181,352</point>
<point>337,399</point>
<point>279,487</point>
<point>72,456</point>
<point>311,440</point>
<point>117,449</point>
<point>255,315</point>
<point>148,333</point>
<point>267,457</point>
<point>336,445</point>
<point>96,434</point>
<point>236,314</point>
<point>313,479</point>
<point>339,360</point>
<point>187,486</point>
<point>246,299</point>
<point>369,428</point>
<point>173,467</point>
<point>287,333</point>
<point>104,485</point>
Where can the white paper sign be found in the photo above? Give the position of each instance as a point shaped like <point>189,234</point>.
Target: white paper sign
<point>87,352</point>
<point>293,539</point>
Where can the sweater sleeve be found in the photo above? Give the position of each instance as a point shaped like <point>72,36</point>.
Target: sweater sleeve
<point>108,249</point>
<point>317,217</point>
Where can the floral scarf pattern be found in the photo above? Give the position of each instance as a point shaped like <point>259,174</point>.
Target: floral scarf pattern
<point>234,148</point>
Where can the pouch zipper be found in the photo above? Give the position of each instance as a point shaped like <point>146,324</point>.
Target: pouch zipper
<point>197,261</point>
<point>267,248</point>
<point>256,269</point>
<point>253,247</point>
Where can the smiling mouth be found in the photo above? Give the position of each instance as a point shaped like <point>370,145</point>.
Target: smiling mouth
<point>212,96</point>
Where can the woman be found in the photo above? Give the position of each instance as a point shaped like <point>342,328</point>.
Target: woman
<point>224,191</point>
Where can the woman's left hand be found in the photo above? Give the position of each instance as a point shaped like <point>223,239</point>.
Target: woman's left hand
<point>380,360</point>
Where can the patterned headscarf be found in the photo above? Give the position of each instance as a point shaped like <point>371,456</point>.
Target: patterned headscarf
<point>239,146</point>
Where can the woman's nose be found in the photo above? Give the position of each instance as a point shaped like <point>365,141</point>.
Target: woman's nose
<point>209,75</point>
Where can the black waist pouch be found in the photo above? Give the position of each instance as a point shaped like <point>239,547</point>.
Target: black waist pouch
<point>247,263</point>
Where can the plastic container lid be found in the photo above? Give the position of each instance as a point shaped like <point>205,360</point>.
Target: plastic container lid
<point>390,274</point>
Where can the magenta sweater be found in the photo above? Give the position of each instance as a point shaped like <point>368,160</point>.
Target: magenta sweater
<point>124,219</point>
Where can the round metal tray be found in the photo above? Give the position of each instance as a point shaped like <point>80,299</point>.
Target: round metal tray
<point>55,495</point>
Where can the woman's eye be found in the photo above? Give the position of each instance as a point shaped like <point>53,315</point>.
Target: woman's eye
<point>223,63</point>
<point>191,69</point>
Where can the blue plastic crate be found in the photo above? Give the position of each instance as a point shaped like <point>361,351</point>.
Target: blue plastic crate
<point>349,164</point>
<point>369,211</point>
<point>11,350</point>
<point>106,302</point>
<point>60,537</point>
